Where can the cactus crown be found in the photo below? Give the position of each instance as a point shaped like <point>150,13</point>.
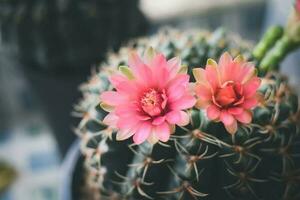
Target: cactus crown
<point>200,160</point>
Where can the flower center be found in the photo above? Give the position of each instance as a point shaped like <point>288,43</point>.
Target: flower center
<point>153,102</point>
<point>229,94</point>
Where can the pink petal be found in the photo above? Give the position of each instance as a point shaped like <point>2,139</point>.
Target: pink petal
<point>163,132</point>
<point>203,91</point>
<point>141,71</point>
<point>124,134</point>
<point>173,117</point>
<point>246,73</point>
<point>250,103</point>
<point>112,98</point>
<point>233,71</point>
<point>127,123</point>
<point>128,88</point>
<point>158,62</point>
<point>111,120</point>
<point>199,74</point>
<point>173,65</point>
<point>160,70</point>
<point>200,104</point>
<point>187,101</point>
<point>179,80</point>
<point>127,110</point>
<point>235,110</point>
<point>251,87</point>
<point>245,117</point>
<point>152,139</point>
<point>212,76</point>
<point>127,118</point>
<point>135,62</point>
<point>174,93</point>
<point>159,120</point>
<point>143,117</point>
<point>225,59</point>
<point>232,128</point>
<point>185,119</point>
<point>226,118</point>
<point>213,112</point>
<point>117,79</point>
<point>225,65</point>
<point>142,133</point>
<point>180,118</point>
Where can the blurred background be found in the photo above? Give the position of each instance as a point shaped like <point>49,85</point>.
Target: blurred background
<point>48,47</point>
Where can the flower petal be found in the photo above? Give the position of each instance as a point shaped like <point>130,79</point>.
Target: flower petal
<point>224,65</point>
<point>128,89</point>
<point>173,65</point>
<point>199,75</point>
<point>179,80</point>
<point>226,118</point>
<point>159,120</point>
<point>111,120</point>
<point>232,128</point>
<point>235,110</point>
<point>174,93</point>
<point>245,117</point>
<point>251,87</point>
<point>173,117</point>
<point>212,76</point>
<point>180,118</point>
<point>149,55</point>
<point>159,68</point>
<point>124,134</point>
<point>112,98</point>
<point>213,112</point>
<point>142,133</point>
<point>163,132</point>
<point>185,119</point>
<point>141,71</point>
<point>187,101</point>
<point>203,91</point>
<point>153,139</point>
<point>250,103</point>
<point>126,123</point>
<point>117,79</point>
<point>202,103</point>
<point>247,72</point>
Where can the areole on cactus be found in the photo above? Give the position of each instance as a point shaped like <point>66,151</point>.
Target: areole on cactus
<point>194,157</point>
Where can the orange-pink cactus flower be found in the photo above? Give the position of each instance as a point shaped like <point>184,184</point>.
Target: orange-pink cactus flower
<point>150,97</point>
<point>227,90</point>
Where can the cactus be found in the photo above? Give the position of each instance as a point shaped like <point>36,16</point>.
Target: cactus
<point>201,160</point>
<point>67,35</point>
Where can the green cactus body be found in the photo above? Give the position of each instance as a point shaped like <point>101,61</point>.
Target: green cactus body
<point>201,160</point>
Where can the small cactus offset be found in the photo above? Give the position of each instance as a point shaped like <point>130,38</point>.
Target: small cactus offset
<point>205,128</point>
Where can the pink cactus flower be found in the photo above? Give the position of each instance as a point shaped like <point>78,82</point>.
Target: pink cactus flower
<point>227,90</point>
<point>150,97</point>
<point>297,6</point>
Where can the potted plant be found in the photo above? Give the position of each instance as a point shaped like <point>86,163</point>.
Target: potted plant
<point>58,41</point>
<point>213,126</point>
